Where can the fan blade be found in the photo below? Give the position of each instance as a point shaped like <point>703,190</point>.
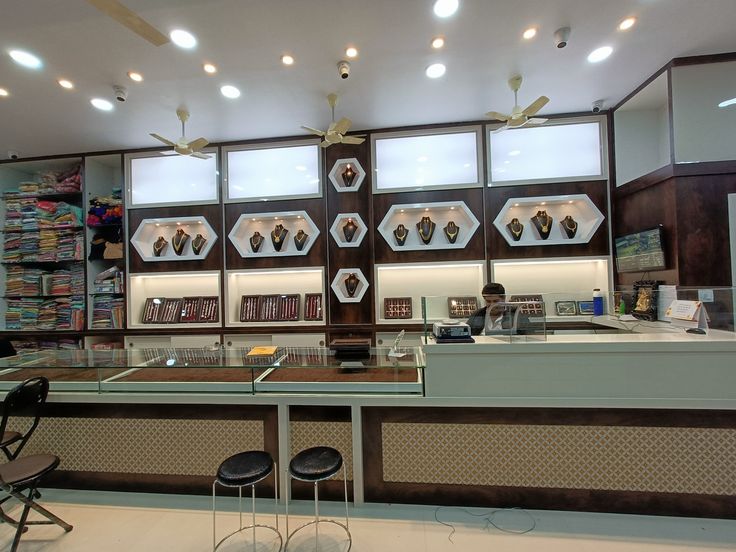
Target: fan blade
<point>314,131</point>
<point>131,20</point>
<point>200,155</point>
<point>498,116</point>
<point>198,144</point>
<point>536,121</point>
<point>352,140</point>
<point>164,140</point>
<point>343,125</point>
<point>325,144</point>
<point>500,129</point>
<point>536,105</point>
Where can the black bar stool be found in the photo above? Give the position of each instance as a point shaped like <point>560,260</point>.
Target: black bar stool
<point>314,465</point>
<point>245,469</point>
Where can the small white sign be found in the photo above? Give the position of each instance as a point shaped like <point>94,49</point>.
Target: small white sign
<point>705,295</point>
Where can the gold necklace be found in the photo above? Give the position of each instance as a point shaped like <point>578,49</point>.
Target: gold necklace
<point>451,235</point>
<point>545,226</point>
<point>401,235</point>
<point>519,227</point>
<point>574,224</point>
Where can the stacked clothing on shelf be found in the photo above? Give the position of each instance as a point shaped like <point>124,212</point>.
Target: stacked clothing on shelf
<point>43,246</point>
<point>110,281</point>
<point>23,281</point>
<point>34,214</point>
<point>28,282</point>
<point>26,346</point>
<point>51,182</point>
<point>106,209</point>
<point>61,313</point>
<point>107,312</point>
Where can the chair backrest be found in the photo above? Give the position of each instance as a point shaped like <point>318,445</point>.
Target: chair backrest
<point>26,399</point>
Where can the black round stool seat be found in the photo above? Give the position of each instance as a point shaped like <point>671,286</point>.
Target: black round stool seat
<point>315,464</point>
<point>245,468</point>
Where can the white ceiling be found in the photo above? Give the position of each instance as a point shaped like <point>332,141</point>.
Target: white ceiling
<point>387,86</point>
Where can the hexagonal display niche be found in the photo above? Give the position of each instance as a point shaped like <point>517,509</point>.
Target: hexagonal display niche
<point>149,230</point>
<point>578,206</point>
<point>441,213</point>
<point>347,175</point>
<point>339,285</point>
<point>337,230</point>
<point>263,223</point>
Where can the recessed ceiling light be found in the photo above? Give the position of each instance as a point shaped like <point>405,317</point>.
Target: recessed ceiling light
<point>4,92</point>
<point>102,105</point>
<point>137,77</point>
<point>725,103</point>
<point>25,59</point>
<point>599,54</point>
<point>438,42</point>
<point>445,8</point>
<point>514,153</point>
<point>626,24</point>
<point>66,84</point>
<point>435,71</point>
<point>530,33</point>
<point>183,39</point>
<point>209,68</point>
<point>229,91</point>
<point>287,59</point>
<point>351,52</point>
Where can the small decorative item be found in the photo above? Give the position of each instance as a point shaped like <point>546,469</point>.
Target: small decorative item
<point>278,237</point>
<point>426,229</point>
<point>179,240</point>
<point>300,239</point>
<point>569,226</point>
<point>397,307</point>
<point>585,308</point>
<point>348,176</point>
<point>645,303</point>
<point>289,307</point>
<point>269,308</point>
<point>249,308</point>
<point>198,243</point>
<point>532,304</point>
<point>349,230</point>
<point>400,234</point>
<point>190,308</point>
<point>351,284</point>
<point>516,229</point>
<point>451,231</point>
<point>256,240</point>
<point>152,309</point>
<point>171,311</point>
<point>461,307</point>
<point>209,310</point>
<point>566,308</point>
<point>159,246</point>
<point>543,223</point>
<point>313,306</point>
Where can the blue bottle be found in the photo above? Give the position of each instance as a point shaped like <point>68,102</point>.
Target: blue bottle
<point>597,302</point>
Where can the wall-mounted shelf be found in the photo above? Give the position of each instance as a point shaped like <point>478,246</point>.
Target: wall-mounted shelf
<point>264,223</point>
<point>340,287</point>
<point>440,213</point>
<point>149,230</point>
<point>340,230</point>
<point>578,206</point>
<point>347,175</point>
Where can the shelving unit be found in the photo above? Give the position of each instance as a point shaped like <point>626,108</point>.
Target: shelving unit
<point>263,223</point>
<point>338,233</point>
<point>149,230</point>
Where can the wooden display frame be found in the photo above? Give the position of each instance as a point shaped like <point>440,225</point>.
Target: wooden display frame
<point>190,309</point>
<point>171,311</point>
<point>461,307</point>
<point>313,306</point>
<point>397,308</point>
<point>209,309</point>
<point>249,308</point>
<point>152,310</point>
<point>289,307</point>
<point>534,304</point>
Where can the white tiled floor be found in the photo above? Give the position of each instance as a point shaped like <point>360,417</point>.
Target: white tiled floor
<point>141,522</point>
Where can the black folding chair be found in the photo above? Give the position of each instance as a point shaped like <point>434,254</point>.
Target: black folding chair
<point>26,399</point>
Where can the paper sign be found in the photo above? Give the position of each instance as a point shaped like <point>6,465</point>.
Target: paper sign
<point>688,314</point>
<point>705,295</point>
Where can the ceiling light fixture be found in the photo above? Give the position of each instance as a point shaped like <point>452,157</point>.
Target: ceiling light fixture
<point>723,104</point>
<point>351,52</point>
<point>4,92</point>
<point>229,91</point>
<point>445,8</point>
<point>626,24</point>
<point>530,33</point>
<point>438,42</point>
<point>599,54</point>
<point>26,59</point>
<point>286,59</point>
<point>64,83</point>
<point>183,39</point>
<point>209,68</point>
<point>435,71</point>
<point>137,77</point>
<point>102,105</point>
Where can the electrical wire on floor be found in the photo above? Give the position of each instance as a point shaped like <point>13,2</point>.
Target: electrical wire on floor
<point>488,517</point>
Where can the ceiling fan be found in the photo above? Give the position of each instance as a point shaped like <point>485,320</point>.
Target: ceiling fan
<point>335,133</point>
<point>131,20</point>
<point>182,146</point>
<point>520,117</point>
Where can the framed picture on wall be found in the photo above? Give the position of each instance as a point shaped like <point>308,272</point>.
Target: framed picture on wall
<point>585,308</point>
<point>565,308</point>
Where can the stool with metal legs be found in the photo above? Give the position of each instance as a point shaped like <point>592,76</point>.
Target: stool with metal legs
<point>314,465</point>
<point>245,469</point>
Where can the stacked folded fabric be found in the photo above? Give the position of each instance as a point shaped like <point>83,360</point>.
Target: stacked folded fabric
<point>105,209</point>
<point>23,281</point>
<point>51,182</point>
<point>107,312</point>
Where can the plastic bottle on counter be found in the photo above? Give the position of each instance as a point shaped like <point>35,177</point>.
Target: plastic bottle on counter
<point>622,307</point>
<point>597,302</point>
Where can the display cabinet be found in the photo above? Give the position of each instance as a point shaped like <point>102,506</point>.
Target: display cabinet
<point>348,230</point>
<point>349,285</point>
<point>275,234</point>
<point>347,175</point>
<point>173,239</point>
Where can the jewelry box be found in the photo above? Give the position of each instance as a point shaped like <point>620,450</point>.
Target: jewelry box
<point>397,307</point>
<point>462,307</point>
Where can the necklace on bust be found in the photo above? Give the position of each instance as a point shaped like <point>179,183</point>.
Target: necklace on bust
<point>516,227</point>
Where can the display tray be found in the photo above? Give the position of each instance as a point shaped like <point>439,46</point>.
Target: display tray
<point>352,378</point>
<point>184,380</point>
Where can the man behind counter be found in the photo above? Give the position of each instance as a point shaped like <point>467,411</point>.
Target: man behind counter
<point>495,317</point>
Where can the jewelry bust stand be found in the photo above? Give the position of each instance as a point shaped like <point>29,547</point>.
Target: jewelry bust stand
<point>159,246</point>
<point>256,241</point>
<point>278,236</point>
<point>400,233</point>
<point>349,230</point>
<point>198,243</point>
<point>179,240</point>
<point>351,284</point>
<point>543,223</point>
<point>300,239</point>
<point>516,229</point>
<point>569,226</point>
<point>348,177</point>
<point>426,229</point>
<point>451,231</point>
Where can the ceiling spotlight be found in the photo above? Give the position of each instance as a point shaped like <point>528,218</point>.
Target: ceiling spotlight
<point>435,71</point>
<point>286,59</point>
<point>723,104</point>
<point>599,54</point>
<point>209,68</point>
<point>626,24</point>
<point>25,59</point>
<point>66,84</point>
<point>229,91</point>
<point>137,77</point>
<point>530,33</point>
<point>351,52</point>
<point>102,105</point>
<point>445,8</point>
<point>438,42</point>
<point>183,39</point>
<point>4,92</point>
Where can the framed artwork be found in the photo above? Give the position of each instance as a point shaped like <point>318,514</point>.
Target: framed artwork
<point>645,299</point>
<point>585,308</point>
<point>566,308</point>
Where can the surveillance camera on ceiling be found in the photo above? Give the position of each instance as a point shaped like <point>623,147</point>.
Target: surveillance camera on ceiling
<point>562,36</point>
<point>121,93</point>
<point>13,154</point>
<point>343,68</point>
<point>597,106</point>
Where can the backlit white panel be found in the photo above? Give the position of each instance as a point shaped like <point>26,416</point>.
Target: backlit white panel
<point>426,161</point>
<point>273,172</point>
<point>172,179</point>
<point>546,152</point>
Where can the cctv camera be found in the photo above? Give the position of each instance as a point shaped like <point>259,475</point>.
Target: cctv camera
<point>343,68</point>
<point>562,36</point>
<point>13,155</point>
<point>121,93</point>
<point>597,106</point>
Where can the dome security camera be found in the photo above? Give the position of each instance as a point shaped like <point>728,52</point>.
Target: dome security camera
<point>597,106</point>
<point>13,154</point>
<point>562,36</point>
<point>343,68</point>
<point>121,93</point>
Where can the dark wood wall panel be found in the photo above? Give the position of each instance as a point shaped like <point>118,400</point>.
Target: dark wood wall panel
<point>497,196</point>
<point>213,261</point>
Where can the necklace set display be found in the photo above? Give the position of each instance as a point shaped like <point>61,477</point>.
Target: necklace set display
<point>543,223</point>
<point>425,229</point>
<point>178,243</point>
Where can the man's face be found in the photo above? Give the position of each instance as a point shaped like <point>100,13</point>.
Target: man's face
<point>493,302</point>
